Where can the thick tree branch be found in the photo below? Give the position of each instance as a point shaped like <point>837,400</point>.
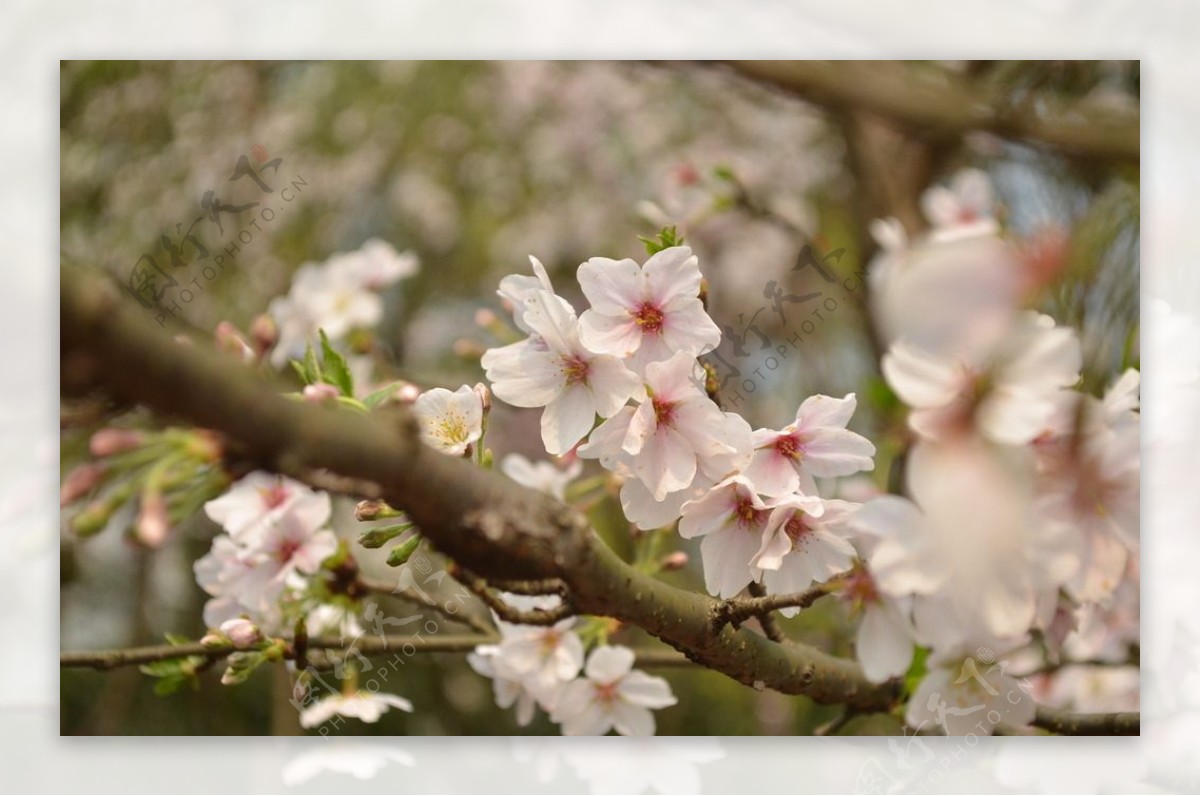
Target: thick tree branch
<point>1067,723</point>
<point>479,518</point>
<point>942,105</point>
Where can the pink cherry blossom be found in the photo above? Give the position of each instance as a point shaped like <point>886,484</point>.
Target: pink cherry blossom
<point>1007,386</point>
<point>732,518</point>
<point>968,691</point>
<point>611,695</point>
<point>552,368</point>
<point>646,313</point>
<point>258,499</point>
<point>672,434</point>
<point>963,207</point>
<point>805,542</point>
<point>516,289</point>
<point>815,444</point>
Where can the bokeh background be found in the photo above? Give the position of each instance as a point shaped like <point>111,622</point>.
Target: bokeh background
<point>474,166</point>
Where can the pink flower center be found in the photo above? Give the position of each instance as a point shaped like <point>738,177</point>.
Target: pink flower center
<point>287,548</point>
<point>749,516</point>
<point>576,369</point>
<point>788,446</point>
<point>606,693</point>
<point>860,587</point>
<point>664,411</point>
<point>797,528</point>
<point>649,318</point>
<point>274,497</point>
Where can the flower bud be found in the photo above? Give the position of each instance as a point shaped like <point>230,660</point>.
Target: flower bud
<point>321,394</point>
<point>674,561</point>
<point>408,393</point>
<point>399,555</point>
<point>241,632</point>
<point>80,481</point>
<point>264,333</point>
<point>467,349</point>
<point>93,519</point>
<point>111,441</point>
<point>368,510</point>
<point>229,339</point>
<point>374,538</point>
<point>485,396</point>
<point>214,640</point>
<point>153,522</point>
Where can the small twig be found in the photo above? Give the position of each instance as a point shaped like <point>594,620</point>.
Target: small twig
<point>1051,668</point>
<point>734,612</point>
<point>766,621</point>
<point>537,616</point>
<point>533,588</point>
<point>411,595</point>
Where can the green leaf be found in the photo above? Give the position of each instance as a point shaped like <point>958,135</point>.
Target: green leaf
<point>170,684</point>
<point>300,371</point>
<point>176,640</point>
<point>666,238</point>
<point>380,395</point>
<point>241,666</point>
<point>312,367</point>
<point>335,371</point>
<point>916,672</point>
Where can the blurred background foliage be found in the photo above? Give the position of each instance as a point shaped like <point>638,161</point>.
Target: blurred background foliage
<point>475,166</point>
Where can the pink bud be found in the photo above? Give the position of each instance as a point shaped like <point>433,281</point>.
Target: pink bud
<point>241,632</point>
<point>265,333</point>
<point>80,481</point>
<point>485,396</point>
<point>321,394</point>
<point>111,441</point>
<point>408,394</point>
<point>153,522</point>
<point>674,561</point>
<point>213,640</point>
<point>229,339</point>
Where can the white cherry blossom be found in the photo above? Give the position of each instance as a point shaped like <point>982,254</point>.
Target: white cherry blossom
<point>516,289</point>
<point>646,313</point>
<point>672,434</point>
<point>553,369</point>
<point>963,207</point>
<point>732,519</point>
<point>362,705</point>
<point>449,421</point>
<point>611,695</point>
<point>817,444</point>
<point>805,542</point>
<point>543,476</point>
<point>968,691</point>
<point>541,658</point>
<point>258,499</point>
<point>508,690</point>
<point>1008,386</point>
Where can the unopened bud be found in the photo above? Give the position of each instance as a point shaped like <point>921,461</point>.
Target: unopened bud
<point>93,519</point>
<point>230,340</point>
<point>468,349</point>
<point>241,632</point>
<point>485,318</point>
<point>153,522</point>
<point>205,445</point>
<point>321,394</point>
<point>400,554</point>
<point>408,394</point>
<point>674,561</point>
<point>375,538</point>
<point>80,481</point>
<point>368,510</point>
<point>111,441</point>
<point>214,640</point>
<point>264,332</point>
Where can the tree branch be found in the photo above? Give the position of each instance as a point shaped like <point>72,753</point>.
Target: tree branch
<point>1066,723</point>
<point>507,613</point>
<point>477,517</point>
<point>734,612</point>
<point>942,105</point>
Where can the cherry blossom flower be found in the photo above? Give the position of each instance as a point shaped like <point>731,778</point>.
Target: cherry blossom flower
<point>374,265</point>
<point>973,549</point>
<point>1008,386</point>
<point>450,421</point>
<point>258,499</point>
<point>541,658</point>
<point>805,542</point>
<point>885,637</point>
<point>290,546</point>
<point>553,369</point>
<point>733,519</point>
<point>612,695</point>
<point>241,632</point>
<point>969,693</point>
<point>516,289</point>
<point>816,444</point>
<point>673,433</point>
<point>361,705</point>
<point>508,691</point>
<point>963,207</point>
<point>646,313</point>
<point>543,476</point>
